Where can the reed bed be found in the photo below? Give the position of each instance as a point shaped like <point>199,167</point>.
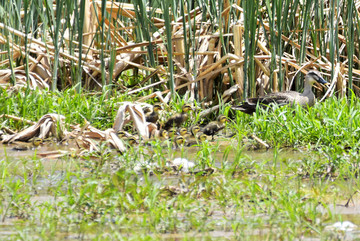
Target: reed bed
<point>203,48</point>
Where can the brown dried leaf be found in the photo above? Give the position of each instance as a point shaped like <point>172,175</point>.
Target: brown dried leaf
<point>114,140</point>
<point>41,129</point>
<point>137,116</point>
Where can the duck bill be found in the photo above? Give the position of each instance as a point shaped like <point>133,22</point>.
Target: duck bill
<point>322,81</point>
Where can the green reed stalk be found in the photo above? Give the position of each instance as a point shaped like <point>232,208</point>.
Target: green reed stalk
<point>304,25</point>
<point>13,21</point>
<point>318,34</point>
<point>271,10</point>
<point>186,44</point>
<point>350,31</point>
<point>166,6</point>
<point>80,27</point>
<point>145,27</point>
<point>250,18</point>
<point>102,37</point>
<point>333,34</point>
<point>27,31</point>
<point>281,12</point>
<point>55,21</point>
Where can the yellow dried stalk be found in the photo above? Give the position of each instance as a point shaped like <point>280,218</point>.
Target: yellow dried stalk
<point>239,70</point>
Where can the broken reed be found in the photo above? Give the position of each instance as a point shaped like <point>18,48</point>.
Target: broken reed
<point>287,29</point>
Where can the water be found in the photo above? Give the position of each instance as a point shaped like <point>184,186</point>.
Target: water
<point>57,170</point>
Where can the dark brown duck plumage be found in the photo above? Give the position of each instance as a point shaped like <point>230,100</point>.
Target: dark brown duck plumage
<point>215,126</point>
<point>199,138</point>
<point>154,115</point>
<point>177,119</point>
<point>307,98</point>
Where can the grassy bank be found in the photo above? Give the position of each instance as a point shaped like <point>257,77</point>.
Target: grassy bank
<point>331,123</point>
<point>229,193</point>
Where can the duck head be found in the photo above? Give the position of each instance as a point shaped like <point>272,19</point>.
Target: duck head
<point>314,76</point>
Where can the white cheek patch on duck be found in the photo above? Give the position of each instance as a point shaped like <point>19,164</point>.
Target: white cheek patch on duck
<point>312,81</point>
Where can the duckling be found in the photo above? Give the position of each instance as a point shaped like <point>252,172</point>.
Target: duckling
<point>179,118</point>
<point>190,137</point>
<point>179,141</point>
<point>194,130</point>
<point>122,134</point>
<point>183,131</point>
<point>164,135</point>
<point>197,139</point>
<point>215,126</point>
<point>154,115</point>
<point>171,133</point>
<point>36,141</point>
<point>132,140</point>
<point>203,137</point>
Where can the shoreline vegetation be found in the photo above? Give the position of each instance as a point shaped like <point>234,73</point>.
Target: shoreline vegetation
<point>84,75</point>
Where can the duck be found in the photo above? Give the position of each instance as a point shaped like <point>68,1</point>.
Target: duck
<point>159,134</point>
<point>305,99</point>
<point>122,134</point>
<point>153,116</point>
<point>194,130</point>
<point>179,118</point>
<point>172,133</point>
<point>164,135</point>
<point>36,142</point>
<point>191,137</point>
<point>215,126</point>
<point>132,140</point>
<point>179,141</point>
<point>200,138</point>
<point>183,131</point>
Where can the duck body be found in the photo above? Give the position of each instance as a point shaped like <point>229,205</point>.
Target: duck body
<point>278,98</point>
<point>178,119</point>
<point>179,141</point>
<point>153,116</point>
<point>197,139</point>
<point>215,126</point>
<point>28,146</point>
<point>212,128</point>
<point>305,99</point>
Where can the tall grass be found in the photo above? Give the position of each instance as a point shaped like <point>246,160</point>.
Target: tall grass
<point>166,7</point>
<point>250,13</point>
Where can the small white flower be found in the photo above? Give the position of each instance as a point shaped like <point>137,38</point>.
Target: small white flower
<point>343,226</point>
<point>183,164</point>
